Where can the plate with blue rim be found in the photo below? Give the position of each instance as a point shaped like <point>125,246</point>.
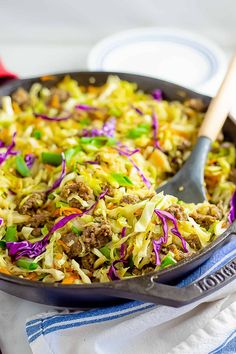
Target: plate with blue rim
<point>173,55</point>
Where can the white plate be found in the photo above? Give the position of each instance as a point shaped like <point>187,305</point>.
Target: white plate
<point>170,54</point>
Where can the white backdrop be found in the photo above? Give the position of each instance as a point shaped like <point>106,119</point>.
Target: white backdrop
<point>53,35</point>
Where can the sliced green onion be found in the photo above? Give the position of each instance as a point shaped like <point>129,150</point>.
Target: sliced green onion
<point>87,140</point>
<point>26,263</point>
<point>85,122</point>
<point>111,142</point>
<point>98,141</point>
<point>60,204</point>
<point>130,261</point>
<point>37,134</point>
<point>115,111</point>
<point>44,230</point>
<point>122,180</point>
<point>51,158</point>
<point>71,152</point>
<point>10,235</point>
<point>3,244</point>
<point>167,261</point>
<point>139,131</point>
<point>21,166</point>
<point>105,251</point>
<point>75,229</point>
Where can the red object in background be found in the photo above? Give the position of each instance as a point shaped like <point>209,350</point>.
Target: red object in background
<point>5,74</point>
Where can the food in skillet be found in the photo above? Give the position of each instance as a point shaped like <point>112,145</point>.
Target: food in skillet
<point>78,172</point>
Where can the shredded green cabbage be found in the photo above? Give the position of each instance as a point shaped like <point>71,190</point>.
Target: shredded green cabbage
<point>111,143</point>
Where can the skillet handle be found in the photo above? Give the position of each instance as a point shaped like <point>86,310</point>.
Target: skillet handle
<point>147,288</point>
<point>177,297</point>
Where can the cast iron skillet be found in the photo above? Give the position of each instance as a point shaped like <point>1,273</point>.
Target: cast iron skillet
<point>156,287</point>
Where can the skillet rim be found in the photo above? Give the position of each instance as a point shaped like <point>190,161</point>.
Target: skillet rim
<point>13,279</point>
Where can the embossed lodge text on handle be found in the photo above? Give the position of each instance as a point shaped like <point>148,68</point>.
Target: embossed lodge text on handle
<point>211,281</point>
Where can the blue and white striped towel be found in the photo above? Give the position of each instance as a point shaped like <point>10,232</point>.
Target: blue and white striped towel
<point>208,326</point>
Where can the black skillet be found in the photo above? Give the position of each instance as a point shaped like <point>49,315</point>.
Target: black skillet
<point>156,287</point>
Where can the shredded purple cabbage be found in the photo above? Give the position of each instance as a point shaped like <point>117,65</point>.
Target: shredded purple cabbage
<point>145,180</point>
<point>26,248</point>
<point>155,131</point>
<point>86,107</point>
<point>112,273</point>
<point>164,216</point>
<point>29,160</point>
<point>1,221</point>
<point>9,151</point>
<point>164,224</point>
<point>138,111</point>
<point>13,153</point>
<point>157,247</point>
<point>32,250</point>
<point>232,211</point>
<point>158,243</point>
<point>128,153</point>
<point>3,145</point>
<point>52,119</point>
<point>11,192</point>
<point>124,150</point>
<point>57,183</point>
<point>157,95</point>
<point>92,133</point>
<point>174,230</point>
<point>108,130</point>
<point>109,127</point>
<point>91,162</point>
<point>122,248</point>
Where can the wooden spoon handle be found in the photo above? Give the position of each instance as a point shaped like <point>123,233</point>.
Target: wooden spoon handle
<point>221,104</point>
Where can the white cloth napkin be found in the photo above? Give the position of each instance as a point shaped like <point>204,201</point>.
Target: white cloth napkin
<point>207,326</point>
<point>200,329</point>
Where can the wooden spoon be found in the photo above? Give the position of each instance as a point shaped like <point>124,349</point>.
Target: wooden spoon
<point>188,183</point>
